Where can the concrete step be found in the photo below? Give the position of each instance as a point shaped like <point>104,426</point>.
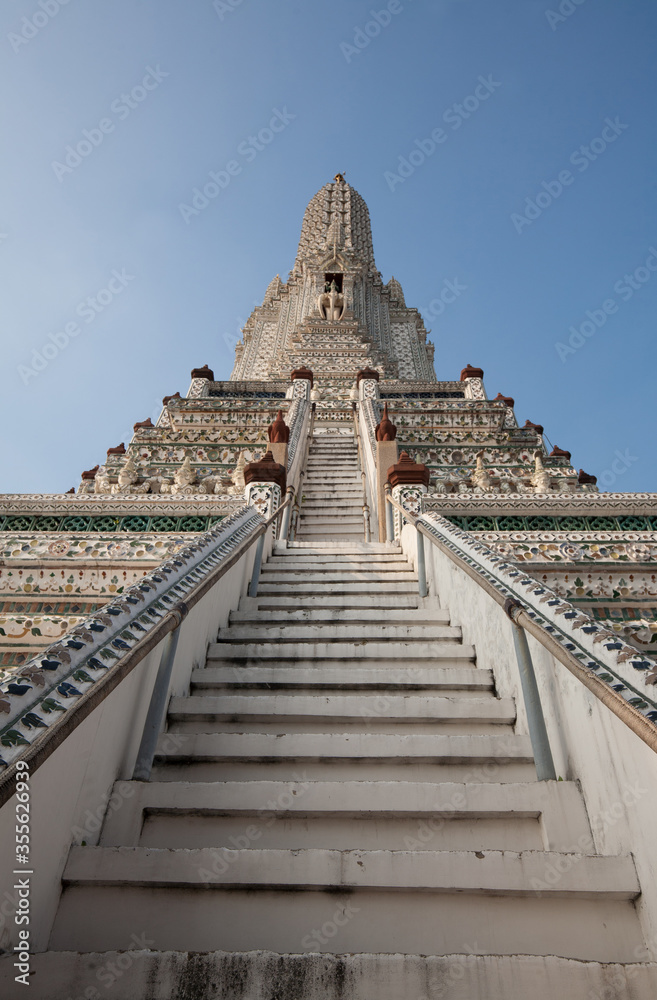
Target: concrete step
<point>341,506</point>
<point>347,677</point>
<point>346,533</point>
<point>331,524</point>
<point>233,898</point>
<point>374,577</point>
<point>329,517</point>
<point>280,564</point>
<point>326,479</point>
<point>333,590</point>
<point>269,587</point>
<point>334,616</point>
<point>328,632</point>
<point>382,652</point>
<point>349,815</point>
<point>377,602</point>
<point>318,547</point>
<point>323,492</point>
<point>249,975</point>
<point>471,750</point>
<point>352,503</point>
<point>331,460</point>
<point>333,447</point>
<point>305,560</point>
<point>337,709</point>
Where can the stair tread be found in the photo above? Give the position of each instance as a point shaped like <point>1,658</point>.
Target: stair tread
<point>470,748</point>
<point>497,872</point>
<point>462,677</point>
<point>363,707</point>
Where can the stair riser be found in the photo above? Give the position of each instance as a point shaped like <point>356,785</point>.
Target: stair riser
<point>313,632</point>
<point>355,576</point>
<point>447,653</point>
<point>370,977</point>
<point>190,831</point>
<point>319,616</point>
<point>301,726</point>
<point>320,495</point>
<point>267,588</point>
<point>383,769</point>
<point>346,533</point>
<point>397,922</point>
<point>303,560</point>
<point>465,679</point>
<point>356,602</point>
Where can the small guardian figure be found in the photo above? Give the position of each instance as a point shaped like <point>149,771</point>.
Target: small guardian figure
<point>540,478</point>
<point>480,477</point>
<point>184,477</point>
<point>128,476</point>
<point>237,477</point>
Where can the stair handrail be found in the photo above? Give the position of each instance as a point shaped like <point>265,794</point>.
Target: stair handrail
<point>502,581</point>
<point>72,668</point>
<point>363,475</point>
<point>298,497</point>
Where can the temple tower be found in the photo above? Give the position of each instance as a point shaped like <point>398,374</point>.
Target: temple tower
<point>334,681</point>
<point>334,314</point>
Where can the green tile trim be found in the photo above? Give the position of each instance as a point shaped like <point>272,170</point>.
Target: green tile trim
<point>141,523</point>
<point>484,522</point>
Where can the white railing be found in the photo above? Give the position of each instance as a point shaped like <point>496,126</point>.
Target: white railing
<point>367,454</point>
<point>50,695</point>
<point>590,652</point>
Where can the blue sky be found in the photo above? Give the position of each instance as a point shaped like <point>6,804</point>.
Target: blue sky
<point>549,243</point>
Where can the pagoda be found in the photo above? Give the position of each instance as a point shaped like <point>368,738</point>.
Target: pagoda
<point>334,682</point>
<point>63,556</point>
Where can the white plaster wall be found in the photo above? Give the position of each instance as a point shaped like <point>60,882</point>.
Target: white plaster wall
<point>616,770</point>
<point>69,792</point>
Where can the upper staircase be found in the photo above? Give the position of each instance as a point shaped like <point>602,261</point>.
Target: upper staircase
<point>332,500</point>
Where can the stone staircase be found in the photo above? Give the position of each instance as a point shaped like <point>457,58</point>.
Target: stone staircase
<point>332,498</point>
<point>342,780</point>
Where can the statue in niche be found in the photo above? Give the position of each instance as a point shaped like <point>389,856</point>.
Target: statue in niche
<point>331,302</point>
<point>480,476</point>
<point>540,479</point>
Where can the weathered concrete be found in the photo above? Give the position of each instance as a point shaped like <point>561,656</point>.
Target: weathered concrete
<point>261,975</point>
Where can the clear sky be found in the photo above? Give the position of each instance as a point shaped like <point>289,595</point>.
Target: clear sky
<point>535,199</point>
